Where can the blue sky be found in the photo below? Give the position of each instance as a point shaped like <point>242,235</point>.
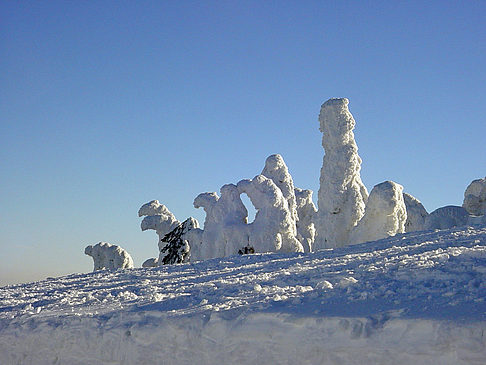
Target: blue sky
<point>107,105</point>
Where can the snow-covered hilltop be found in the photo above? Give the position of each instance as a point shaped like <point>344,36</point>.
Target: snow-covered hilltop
<point>417,298</point>
<point>286,218</point>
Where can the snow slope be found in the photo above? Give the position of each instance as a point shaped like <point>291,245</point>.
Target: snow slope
<point>412,298</point>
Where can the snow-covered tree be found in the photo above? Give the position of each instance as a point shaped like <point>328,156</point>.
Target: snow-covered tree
<point>274,227</point>
<point>416,214</point>
<point>108,256</point>
<point>342,196</point>
<point>385,214</point>
<point>475,197</point>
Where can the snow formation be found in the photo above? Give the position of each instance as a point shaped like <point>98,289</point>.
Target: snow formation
<point>417,298</point>
<point>157,217</point>
<point>475,197</point>
<point>108,256</point>
<point>306,212</point>
<point>416,214</point>
<point>274,226</point>
<point>342,196</point>
<point>276,170</point>
<point>385,214</point>
<point>151,262</point>
<point>447,217</point>
<point>225,228</point>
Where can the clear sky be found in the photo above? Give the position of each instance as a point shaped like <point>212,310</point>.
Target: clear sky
<point>106,105</point>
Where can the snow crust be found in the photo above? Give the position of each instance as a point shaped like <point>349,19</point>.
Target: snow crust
<point>475,197</point>
<point>413,298</point>
<point>108,256</point>
<point>385,214</point>
<point>342,195</point>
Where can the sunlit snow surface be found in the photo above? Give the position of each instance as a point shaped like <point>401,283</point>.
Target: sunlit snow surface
<point>416,297</point>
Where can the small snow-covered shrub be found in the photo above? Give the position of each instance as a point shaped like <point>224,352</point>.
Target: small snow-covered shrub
<point>108,256</point>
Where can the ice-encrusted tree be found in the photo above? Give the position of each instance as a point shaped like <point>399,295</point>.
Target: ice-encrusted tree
<point>385,214</point>
<point>475,197</point>
<point>416,214</point>
<point>300,204</point>
<point>274,227</point>
<point>108,256</point>
<point>306,212</point>
<point>225,225</point>
<point>342,196</point>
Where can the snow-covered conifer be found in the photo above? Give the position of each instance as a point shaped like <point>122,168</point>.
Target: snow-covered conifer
<point>273,228</point>
<point>416,214</point>
<point>385,214</point>
<point>475,197</point>
<point>342,196</point>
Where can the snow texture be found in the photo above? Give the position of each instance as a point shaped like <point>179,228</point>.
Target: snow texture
<point>447,217</point>
<point>417,298</point>
<point>108,256</point>
<point>342,196</point>
<point>475,197</point>
<point>274,227</point>
<point>416,214</point>
<point>306,212</point>
<point>385,214</point>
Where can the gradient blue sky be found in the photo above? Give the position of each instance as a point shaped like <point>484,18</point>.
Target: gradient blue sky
<point>105,105</point>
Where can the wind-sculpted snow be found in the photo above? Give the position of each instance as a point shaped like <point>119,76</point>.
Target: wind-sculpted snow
<point>412,298</point>
<point>342,196</point>
<point>385,214</point>
<point>108,256</point>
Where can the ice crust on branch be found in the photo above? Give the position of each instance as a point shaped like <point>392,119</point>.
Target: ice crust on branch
<point>274,227</point>
<point>342,196</point>
<point>108,256</point>
<point>385,214</point>
<point>475,197</point>
<point>416,214</point>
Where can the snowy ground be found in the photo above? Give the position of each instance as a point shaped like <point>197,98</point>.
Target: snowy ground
<point>415,298</point>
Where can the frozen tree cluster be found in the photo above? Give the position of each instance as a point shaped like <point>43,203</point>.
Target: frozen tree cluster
<point>286,218</point>
<point>109,257</point>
